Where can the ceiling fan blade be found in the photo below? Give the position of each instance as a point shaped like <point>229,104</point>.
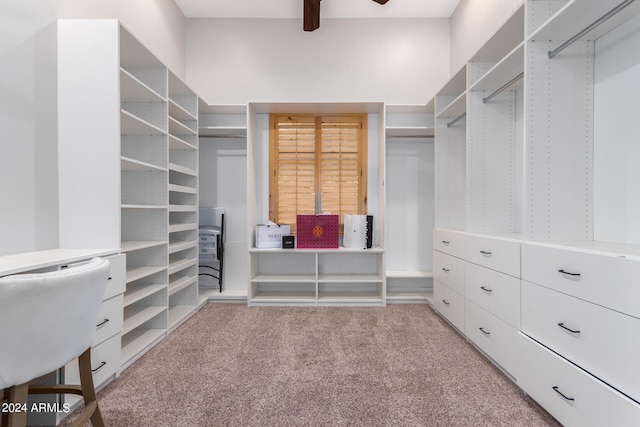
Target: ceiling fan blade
<point>311,20</point>
<point>381,1</point>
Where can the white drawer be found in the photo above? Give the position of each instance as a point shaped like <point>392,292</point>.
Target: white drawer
<point>497,254</point>
<point>605,280</point>
<point>449,271</point>
<point>105,363</point>
<point>604,342</point>
<point>496,292</point>
<point>450,304</point>
<point>450,242</point>
<point>496,338</point>
<point>544,375</point>
<point>118,276</point>
<point>110,320</point>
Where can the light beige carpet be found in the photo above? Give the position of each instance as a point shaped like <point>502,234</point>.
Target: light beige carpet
<point>400,365</point>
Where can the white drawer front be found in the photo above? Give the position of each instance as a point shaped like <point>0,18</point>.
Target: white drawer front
<point>495,337</point>
<point>450,242</point>
<point>604,342</point>
<point>110,320</point>
<point>497,254</point>
<point>449,271</point>
<point>604,280</point>
<point>496,292</point>
<point>544,376</point>
<point>450,304</point>
<point>105,362</point>
<point>118,276</point>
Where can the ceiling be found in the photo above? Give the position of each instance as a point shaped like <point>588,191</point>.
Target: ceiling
<point>330,8</point>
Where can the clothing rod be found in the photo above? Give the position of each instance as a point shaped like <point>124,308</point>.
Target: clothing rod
<point>593,25</point>
<point>224,136</point>
<point>503,87</point>
<point>452,122</point>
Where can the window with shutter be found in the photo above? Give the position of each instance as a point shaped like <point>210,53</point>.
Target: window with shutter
<point>318,164</point>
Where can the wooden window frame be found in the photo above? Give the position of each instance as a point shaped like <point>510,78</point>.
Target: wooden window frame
<point>276,118</point>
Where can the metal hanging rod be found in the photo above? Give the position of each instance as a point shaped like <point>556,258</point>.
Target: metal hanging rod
<point>595,23</point>
<point>503,87</point>
<point>452,122</point>
<point>232,136</point>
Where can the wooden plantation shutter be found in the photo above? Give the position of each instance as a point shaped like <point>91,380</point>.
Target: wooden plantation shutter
<point>318,164</point>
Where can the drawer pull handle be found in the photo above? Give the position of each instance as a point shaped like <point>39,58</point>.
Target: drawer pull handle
<point>446,302</point>
<point>484,288</point>
<point>109,278</point>
<point>568,273</point>
<point>555,388</point>
<point>99,367</point>
<point>102,323</point>
<point>446,242</point>
<point>483,331</point>
<point>485,252</point>
<point>446,270</point>
<point>570,330</point>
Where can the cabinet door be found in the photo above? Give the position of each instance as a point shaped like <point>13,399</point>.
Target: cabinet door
<point>601,341</point>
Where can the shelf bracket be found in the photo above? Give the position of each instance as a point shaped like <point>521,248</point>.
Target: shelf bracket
<point>593,25</point>
<point>503,87</point>
<point>452,122</point>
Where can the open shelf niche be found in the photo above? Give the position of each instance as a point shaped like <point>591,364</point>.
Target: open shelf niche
<point>315,276</point>
<point>409,167</point>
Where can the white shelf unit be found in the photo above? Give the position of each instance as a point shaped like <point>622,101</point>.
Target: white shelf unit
<point>127,144</point>
<point>183,202</point>
<point>144,194</point>
<point>409,167</point>
<point>322,276</point>
<point>317,277</point>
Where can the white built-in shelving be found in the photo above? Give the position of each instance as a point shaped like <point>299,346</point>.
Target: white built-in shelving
<point>315,277</point>
<point>128,152</point>
<point>535,206</point>
<point>144,195</point>
<point>183,202</point>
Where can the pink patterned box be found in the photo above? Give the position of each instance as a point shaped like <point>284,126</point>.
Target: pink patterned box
<point>318,231</point>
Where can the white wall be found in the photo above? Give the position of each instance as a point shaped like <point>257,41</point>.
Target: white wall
<point>28,104</point>
<point>473,23</point>
<point>397,61</point>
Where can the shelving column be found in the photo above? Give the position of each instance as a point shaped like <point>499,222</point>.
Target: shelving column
<point>144,211</point>
<point>183,201</point>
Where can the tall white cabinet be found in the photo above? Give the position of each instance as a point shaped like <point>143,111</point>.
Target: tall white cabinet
<point>128,172</point>
<point>536,241</point>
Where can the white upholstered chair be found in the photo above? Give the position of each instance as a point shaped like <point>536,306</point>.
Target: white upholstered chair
<point>46,321</point>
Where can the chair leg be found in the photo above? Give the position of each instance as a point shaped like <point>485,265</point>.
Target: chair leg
<point>88,389</point>
<point>5,415</point>
<point>18,395</point>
